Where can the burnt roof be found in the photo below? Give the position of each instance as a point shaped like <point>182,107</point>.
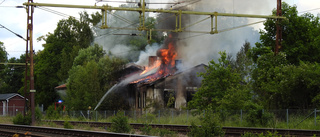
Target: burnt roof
<point>8,96</point>
<point>60,87</point>
<point>171,76</point>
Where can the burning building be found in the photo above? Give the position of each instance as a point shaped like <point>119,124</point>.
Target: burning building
<point>162,84</point>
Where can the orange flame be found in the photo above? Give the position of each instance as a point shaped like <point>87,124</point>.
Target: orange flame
<point>166,64</point>
<point>155,65</point>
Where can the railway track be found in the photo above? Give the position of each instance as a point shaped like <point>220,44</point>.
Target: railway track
<point>7,130</point>
<point>33,131</point>
<point>230,131</point>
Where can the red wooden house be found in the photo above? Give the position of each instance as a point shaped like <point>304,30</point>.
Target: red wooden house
<point>11,104</point>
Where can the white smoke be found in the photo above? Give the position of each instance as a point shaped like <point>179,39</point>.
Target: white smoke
<point>195,48</point>
<point>144,55</point>
<point>191,48</point>
<point>116,39</point>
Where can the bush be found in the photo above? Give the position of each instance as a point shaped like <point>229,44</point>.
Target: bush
<point>162,132</point>
<point>256,116</point>
<point>146,129</point>
<point>19,119</point>
<point>268,134</point>
<point>51,113</point>
<point>120,123</point>
<point>209,126</point>
<point>149,117</point>
<point>38,114</point>
<point>67,125</point>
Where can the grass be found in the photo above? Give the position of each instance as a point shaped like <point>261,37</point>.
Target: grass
<point>185,118</point>
<point>232,119</point>
<point>6,120</point>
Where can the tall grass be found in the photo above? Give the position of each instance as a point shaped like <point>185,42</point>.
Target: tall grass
<point>276,119</point>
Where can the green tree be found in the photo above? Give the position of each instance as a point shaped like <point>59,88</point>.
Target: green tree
<point>209,126</point>
<point>280,85</point>
<point>300,36</point>
<point>13,75</point>
<point>243,63</point>
<point>3,53</point>
<point>280,81</point>
<point>221,87</point>
<point>83,86</point>
<point>56,59</point>
<point>3,59</point>
<point>91,76</point>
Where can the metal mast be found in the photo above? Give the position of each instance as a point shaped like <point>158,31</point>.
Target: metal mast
<point>279,30</point>
<point>30,10</point>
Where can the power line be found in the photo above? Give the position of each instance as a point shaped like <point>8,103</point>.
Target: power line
<point>56,12</point>
<point>308,10</point>
<point>2,2</point>
<point>1,26</point>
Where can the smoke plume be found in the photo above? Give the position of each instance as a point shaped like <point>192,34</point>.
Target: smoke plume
<point>197,48</point>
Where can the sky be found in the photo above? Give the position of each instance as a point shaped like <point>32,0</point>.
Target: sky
<point>45,22</point>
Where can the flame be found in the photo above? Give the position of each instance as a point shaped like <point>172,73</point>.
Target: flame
<point>168,57</point>
<point>154,66</point>
<point>166,65</point>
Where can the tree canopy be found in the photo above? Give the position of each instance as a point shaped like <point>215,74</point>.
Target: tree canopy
<point>290,78</point>
<point>56,59</point>
<point>300,36</point>
<point>91,75</point>
<point>221,87</point>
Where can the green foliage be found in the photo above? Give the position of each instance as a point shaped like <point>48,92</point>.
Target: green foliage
<point>92,53</point>
<point>162,132</point>
<point>243,63</point>
<point>56,59</point>
<point>38,114</point>
<point>298,44</point>
<point>83,86</point>
<point>67,125</point>
<point>19,119</point>
<point>288,79</point>
<point>268,134</point>
<point>12,76</point>
<point>120,123</point>
<point>149,117</point>
<point>256,116</point>
<point>51,113</point>
<point>95,18</point>
<point>91,75</point>
<point>221,87</point>
<point>3,53</point>
<point>209,126</point>
<point>278,84</point>
<point>171,101</point>
<point>114,101</point>
<point>148,130</point>
<point>3,58</point>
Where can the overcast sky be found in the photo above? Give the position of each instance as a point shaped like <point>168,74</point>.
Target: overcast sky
<point>44,22</point>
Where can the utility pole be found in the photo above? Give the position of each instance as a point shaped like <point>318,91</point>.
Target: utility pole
<point>30,10</point>
<point>279,30</point>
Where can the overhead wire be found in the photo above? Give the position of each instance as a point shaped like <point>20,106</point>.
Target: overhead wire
<point>1,26</point>
<point>2,2</point>
<point>56,12</point>
<point>308,10</point>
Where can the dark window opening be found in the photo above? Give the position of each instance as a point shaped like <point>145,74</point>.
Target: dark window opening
<point>190,92</point>
<point>139,100</point>
<point>169,98</point>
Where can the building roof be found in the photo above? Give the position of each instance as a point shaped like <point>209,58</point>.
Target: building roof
<point>8,96</point>
<point>60,87</point>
